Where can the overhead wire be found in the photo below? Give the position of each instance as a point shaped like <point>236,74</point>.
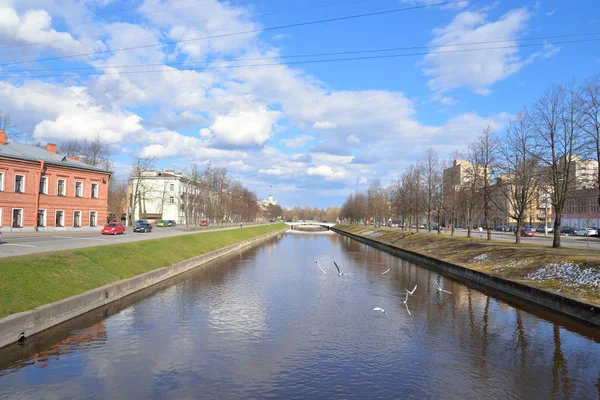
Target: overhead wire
<point>388,56</point>
<point>307,55</point>
<point>298,24</point>
<point>315,6</point>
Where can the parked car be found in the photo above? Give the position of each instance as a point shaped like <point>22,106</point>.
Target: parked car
<point>142,226</point>
<point>500,228</point>
<point>113,228</point>
<point>171,222</point>
<point>204,223</point>
<point>527,232</point>
<point>542,229</point>
<point>590,231</point>
<point>162,223</point>
<point>567,230</point>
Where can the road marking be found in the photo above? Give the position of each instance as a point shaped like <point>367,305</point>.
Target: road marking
<point>18,245</point>
<point>77,238</point>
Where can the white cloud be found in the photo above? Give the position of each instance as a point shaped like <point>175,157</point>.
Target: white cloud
<point>327,172</point>
<point>297,141</point>
<point>353,139</point>
<point>476,70</point>
<point>362,180</point>
<point>245,128</point>
<point>324,125</point>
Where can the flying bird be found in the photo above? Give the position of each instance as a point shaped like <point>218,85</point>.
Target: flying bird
<point>386,271</point>
<point>382,310</point>
<point>340,273</point>
<point>410,291</point>
<point>439,288</point>
<point>320,266</point>
<point>406,302</point>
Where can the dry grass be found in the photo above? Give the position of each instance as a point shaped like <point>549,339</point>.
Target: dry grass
<point>576,273</point>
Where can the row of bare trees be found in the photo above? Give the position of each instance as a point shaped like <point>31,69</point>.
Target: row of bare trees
<point>501,175</point>
<point>329,214</point>
<point>211,194</point>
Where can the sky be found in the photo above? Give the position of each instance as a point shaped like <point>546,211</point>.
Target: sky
<point>181,81</point>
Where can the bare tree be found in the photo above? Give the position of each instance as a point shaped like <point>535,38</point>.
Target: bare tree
<point>484,149</point>
<point>95,153</point>
<point>117,199</point>
<point>137,191</point>
<point>518,169</point>
<point>6,124</point>
<point>557,121</point>
<point>590,123</point>
<point>432,178</point>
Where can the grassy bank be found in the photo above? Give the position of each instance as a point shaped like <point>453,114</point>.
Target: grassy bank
<point>572,272</point>
<point>30,281</point>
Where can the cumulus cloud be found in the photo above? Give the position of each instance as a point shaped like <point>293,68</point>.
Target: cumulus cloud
<point>297,141</point>
<point>327,172</point>
<point>324,125</point>
<point>476,70</point>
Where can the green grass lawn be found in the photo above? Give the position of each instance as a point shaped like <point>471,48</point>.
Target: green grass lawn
<point>502,258</point>
<point>27,282</point>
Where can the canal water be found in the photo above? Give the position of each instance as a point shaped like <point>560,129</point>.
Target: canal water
<point>268,323</point>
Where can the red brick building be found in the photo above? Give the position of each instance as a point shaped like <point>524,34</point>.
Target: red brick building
<point>45,191</point>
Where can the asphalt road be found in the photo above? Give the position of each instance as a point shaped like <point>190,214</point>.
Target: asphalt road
<point>23,243</point>
<point>575,242</point>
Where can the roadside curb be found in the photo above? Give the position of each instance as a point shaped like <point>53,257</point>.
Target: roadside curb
<point>27,323</point>
<point>568,306</point>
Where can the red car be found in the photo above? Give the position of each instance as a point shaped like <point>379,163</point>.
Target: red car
<point>204,223</point>
<point>114,228</point>
<point>528,232</point>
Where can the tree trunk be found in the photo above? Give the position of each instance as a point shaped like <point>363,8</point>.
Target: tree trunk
<point>556,238</point>
<point>518,233</point>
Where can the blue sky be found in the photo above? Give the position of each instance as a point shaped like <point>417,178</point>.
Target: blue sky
<point>314,132</point>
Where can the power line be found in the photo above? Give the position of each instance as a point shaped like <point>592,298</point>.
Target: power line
<point>308,55</point>
<point>204,20</point>
<point>322,21</point>
<point>389,56</point>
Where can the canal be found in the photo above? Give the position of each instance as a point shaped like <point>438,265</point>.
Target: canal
<point>268,323</point>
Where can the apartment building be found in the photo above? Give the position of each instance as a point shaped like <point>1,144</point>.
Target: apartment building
<point>156,195</point>
<point>41,190</point>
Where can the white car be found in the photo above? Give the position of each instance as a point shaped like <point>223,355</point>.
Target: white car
<point>591,231</point>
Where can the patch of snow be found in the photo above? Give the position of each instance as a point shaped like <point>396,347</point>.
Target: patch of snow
<point>569,274</point>
<point>482,258</point>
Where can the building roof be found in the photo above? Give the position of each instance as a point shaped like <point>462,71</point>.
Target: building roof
<point>29,152</point>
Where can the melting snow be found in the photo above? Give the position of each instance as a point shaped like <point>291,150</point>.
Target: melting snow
<point>569,273</point>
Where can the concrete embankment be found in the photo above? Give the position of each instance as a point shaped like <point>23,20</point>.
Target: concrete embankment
<point>24,324</point>
<point>562,304</point>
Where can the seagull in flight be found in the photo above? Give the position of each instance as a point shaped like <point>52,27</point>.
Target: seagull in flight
<point>382,310</point>
<point>340,273</point>
<point>439,288</point>
<point>410,291</point>
<point>319,265</point>
<point>386,271</point>
<point>405,302</point>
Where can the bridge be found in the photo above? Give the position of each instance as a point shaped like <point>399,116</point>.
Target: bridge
<point>310,226</point>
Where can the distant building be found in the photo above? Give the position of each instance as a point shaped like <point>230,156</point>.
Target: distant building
<point>45,191</point>
<point>161,195</point>
<point>264,204</point>
<point>581,209</point>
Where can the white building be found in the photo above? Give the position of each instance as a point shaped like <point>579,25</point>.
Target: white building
<point>159,195</point>
<point>264,204</point>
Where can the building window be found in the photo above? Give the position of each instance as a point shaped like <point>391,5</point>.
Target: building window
<point>1,181</point>
<point>94,190</point>
<point>41,218</point>
<point>92,218</point>
<point>172,187</point>
<point>172,200</point>
<point>77,219</point>
<point>43,185</point>
<point>17,218</point>
<point>62,188</point>
<point>60,219</point>
<point>19,183</point>
<point>78,189</point>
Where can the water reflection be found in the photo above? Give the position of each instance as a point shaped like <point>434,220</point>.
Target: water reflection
<point>267,323</point>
